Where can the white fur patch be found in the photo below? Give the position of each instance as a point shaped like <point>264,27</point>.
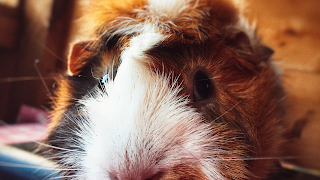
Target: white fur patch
<point>168,8</point>
<point>143,42</point>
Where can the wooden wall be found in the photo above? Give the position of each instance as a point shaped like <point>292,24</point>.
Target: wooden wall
<point>39,31</point>
<point>292,29</point>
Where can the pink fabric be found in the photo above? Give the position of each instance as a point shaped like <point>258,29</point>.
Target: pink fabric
<point>30,114</point>
<point>31,126</point>
<point>21,133</point>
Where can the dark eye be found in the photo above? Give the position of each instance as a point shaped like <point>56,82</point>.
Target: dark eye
<point>202,87</point>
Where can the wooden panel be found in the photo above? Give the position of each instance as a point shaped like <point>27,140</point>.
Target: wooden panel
<point>291,28</point>
<point>36,21</point>
<point>55,60</point>
<point>9,53</point>
<point>7,60</point>
<point>10,20</point>
<point>8,31</point>
<point>45,30</point>
<point>10,3</point>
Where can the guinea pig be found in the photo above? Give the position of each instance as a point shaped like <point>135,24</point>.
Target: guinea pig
<point>170,89</point>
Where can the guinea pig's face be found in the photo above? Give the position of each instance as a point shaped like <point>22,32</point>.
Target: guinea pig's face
<point>167,90</point>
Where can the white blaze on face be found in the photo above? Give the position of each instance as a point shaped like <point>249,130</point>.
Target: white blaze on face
<point>140,125</point>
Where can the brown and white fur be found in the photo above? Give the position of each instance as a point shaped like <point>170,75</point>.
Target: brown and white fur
<point>191,94</point>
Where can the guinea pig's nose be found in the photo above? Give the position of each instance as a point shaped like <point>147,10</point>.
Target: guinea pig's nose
<point>113,177</point>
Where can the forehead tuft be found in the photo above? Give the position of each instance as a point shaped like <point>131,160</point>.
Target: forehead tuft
<point>169,8</point>
<point>194,20</point>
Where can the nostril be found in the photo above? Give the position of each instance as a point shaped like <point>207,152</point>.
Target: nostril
<point>113,177</point>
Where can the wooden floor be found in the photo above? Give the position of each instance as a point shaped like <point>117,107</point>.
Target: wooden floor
<point>292,29</point>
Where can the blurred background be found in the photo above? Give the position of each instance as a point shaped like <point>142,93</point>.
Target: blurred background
<point>35,37</point>
<point>292,29</point>
<point>30,30</point>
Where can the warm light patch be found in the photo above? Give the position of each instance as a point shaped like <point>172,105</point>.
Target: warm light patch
<point>10,3</point>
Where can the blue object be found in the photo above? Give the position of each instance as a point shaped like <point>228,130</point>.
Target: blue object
<point>105,79</point>
<point>16,164</point>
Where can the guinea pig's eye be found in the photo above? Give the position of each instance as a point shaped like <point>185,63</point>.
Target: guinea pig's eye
<point>202,87</point>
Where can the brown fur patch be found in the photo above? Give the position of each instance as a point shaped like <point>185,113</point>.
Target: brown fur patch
<point>183,171</point>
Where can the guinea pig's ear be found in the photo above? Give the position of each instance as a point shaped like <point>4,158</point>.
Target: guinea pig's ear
<point>240,41</point>
<point>79,52</point>
<point>264,52</point>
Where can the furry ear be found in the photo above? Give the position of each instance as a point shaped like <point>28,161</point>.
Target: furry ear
<point>264,53</point>
<point>240,41</point>
<point>80,51</point>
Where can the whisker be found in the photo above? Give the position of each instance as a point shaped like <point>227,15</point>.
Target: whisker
<point>291,166</point>
<point>68,176</point>
<point>43,82</point>
<point>67,169</point>
<point>50,146</point>
<point>256,158</point>
<point>57,155</point>
<point>227,110</point>
<point>51,52</point>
